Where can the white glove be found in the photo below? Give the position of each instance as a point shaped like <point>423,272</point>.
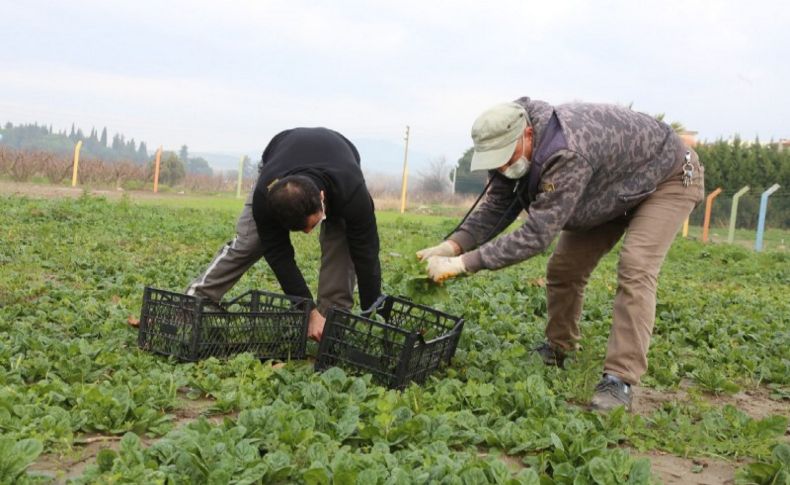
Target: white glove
<point>442,268</point>
<point>446,248</point>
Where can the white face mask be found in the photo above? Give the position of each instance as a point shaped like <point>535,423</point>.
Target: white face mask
<point>518,169</point>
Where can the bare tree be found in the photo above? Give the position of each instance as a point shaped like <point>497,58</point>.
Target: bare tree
<point>23,165</point>
<point>436,178</point>
<point>127,170</point>
<point>5,160</point>
<point>94,172</point>
<point>56,168</point>
<point>382,185</point>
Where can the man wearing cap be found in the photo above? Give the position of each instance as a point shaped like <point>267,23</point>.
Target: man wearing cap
<point>588,173</point>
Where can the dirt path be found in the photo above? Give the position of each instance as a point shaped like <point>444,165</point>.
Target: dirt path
<point>673,470</point>
<point>668,468</point>
<point>54,191</point>
<point>756,402</point>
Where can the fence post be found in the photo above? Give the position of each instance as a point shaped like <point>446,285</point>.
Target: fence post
<point>405,173</point>
<point>686,227</point>
<point>156,169</point>
<point>708,207</point>
<point>734,212</point>
<point>76,163</point>
<point>758,243</point>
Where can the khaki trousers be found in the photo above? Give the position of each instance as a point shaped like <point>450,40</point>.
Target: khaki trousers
<point>649,231</point>
<point>336,278</point>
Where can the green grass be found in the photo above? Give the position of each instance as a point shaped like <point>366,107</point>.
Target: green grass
<point>73,272</point>
<point>773,239</point>
<point>221,202</point>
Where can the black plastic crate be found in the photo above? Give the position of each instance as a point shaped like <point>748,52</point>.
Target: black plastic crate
<point>190,328</point>
<point>401,342</point>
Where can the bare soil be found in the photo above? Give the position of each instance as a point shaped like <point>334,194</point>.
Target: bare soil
<point>755,402</point>
<point>668,468</point>
<point>72,464</point>
<point>673,470</point>
<point>40,191</point>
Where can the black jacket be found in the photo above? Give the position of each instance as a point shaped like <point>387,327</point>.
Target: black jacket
<point>332,162</point>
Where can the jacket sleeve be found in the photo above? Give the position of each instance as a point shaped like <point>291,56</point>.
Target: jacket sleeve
<point>568,173</point>
<point>279,254</point>
<point>363,244</point>
<point>498,209</point>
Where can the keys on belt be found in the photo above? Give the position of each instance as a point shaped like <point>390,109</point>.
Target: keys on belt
<point>688,170</point>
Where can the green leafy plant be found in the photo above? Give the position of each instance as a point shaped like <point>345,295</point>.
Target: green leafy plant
<point>15,457</point>
<point>70,367</point>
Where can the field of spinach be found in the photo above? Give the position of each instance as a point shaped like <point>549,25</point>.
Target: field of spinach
<point>72,272</point>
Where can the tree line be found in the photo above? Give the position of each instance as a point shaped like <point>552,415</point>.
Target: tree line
<point>35,137</point>
<point>96,145</point>
<point>732,164</point>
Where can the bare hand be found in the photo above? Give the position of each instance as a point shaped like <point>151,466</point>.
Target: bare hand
<point>315,325</point>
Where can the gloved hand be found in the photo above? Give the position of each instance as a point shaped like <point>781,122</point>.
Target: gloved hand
<point>446,248</point>
<point>442,268</point>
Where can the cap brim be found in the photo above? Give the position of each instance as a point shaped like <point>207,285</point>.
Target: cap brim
<point>491,159</point>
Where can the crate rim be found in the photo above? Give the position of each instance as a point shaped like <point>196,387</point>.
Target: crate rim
<point>458,322</point>
<point>404,299</point>
<point>293,298</point>
<point>366,319</point>
<point>197,298</point>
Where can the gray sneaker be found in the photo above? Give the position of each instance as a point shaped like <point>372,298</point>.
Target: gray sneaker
<point>610,393</point>
<point>550,355</point>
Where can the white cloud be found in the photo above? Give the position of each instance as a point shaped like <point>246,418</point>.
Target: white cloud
<point>227,76</point>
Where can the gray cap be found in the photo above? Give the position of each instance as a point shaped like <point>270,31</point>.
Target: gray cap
<point>495,134</point>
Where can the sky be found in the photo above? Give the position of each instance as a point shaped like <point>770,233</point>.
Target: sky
<point>224,77</point>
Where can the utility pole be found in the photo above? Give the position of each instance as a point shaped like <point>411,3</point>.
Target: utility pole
<point>455,172</point>
<point>241,174</point>
<point>405,173</point>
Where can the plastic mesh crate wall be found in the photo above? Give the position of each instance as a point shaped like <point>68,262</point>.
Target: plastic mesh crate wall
<point>409,344</point>
<point>268,325</point>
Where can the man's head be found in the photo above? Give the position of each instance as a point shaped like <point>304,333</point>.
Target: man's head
<point>502,135</point>
<point>297,203</point>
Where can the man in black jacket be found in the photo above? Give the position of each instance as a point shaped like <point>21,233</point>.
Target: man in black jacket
<point>309,177</point>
